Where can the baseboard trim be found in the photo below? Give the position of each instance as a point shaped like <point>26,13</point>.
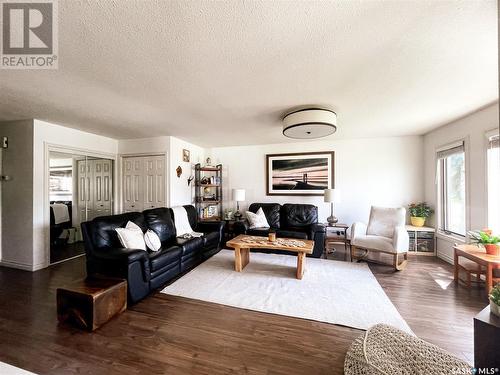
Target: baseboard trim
<point>17,265</point>
<point>445,257</point>
<point>22,266</point>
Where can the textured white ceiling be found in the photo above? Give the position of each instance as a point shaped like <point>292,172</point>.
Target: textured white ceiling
<point>223,72</point>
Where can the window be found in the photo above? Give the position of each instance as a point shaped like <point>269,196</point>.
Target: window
<point>494,183</point>
<point>452,208</point>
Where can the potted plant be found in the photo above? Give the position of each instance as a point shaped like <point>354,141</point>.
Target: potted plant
<point>495,300</point>
<point>419,212</point>
<point>486,239</point>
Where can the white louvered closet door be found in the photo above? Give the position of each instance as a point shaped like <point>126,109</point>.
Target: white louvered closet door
<point>84,193</point>
<point>154,182</point>
<point>102,187</point>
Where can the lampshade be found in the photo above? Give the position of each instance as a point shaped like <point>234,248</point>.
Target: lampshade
<point>332,195</point>
<point>238,195</point>
<point>309,123</point>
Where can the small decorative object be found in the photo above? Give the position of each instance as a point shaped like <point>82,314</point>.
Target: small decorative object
<point>178,170</point>
<point>238,196</point>
<point>205,181</point>
<point>186,155</point>
<point>486,239</point>
<point>272,236</point>
<point>419,212</point>
<point>229,215</point>
<point>307,173</point>
<point>495,301</point>
<point>332,196</point>
<point>208,162</point>
<point>191,178</point>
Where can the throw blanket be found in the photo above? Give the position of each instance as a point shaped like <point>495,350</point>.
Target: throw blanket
<point>182,223</point>
<point>61,213</point>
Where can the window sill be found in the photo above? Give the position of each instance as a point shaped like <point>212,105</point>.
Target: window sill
<point>450,237</point>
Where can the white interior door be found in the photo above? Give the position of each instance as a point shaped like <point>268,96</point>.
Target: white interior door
<point>143,183</point>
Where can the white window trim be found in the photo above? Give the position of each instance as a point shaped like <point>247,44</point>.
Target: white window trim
<point>439,232</point>
<point>487,135</point>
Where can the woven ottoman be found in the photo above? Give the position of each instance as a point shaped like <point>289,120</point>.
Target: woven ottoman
<point>386,350</point>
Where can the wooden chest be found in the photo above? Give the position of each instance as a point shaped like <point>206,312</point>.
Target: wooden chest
<point>91,302</point>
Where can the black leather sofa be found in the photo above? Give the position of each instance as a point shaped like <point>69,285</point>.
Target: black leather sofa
<point>147,270</point>
<point>288,220</point>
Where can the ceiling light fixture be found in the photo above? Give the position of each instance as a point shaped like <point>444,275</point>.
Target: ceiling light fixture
<point>309,123</point>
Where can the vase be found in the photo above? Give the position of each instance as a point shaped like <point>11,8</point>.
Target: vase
<point>492,249</point>
<point>494,308</point>
<point>417,221</point>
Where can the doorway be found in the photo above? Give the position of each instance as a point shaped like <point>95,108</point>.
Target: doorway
<point>80,189</point>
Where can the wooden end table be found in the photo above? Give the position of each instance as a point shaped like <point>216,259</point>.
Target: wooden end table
<point>91,302</point>
<point>486,340</point>
<point>479,256</point>
<point>243,243</point>
<point>338,236</point>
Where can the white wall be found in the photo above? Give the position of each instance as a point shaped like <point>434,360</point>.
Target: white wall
<point>378,171</point>
<point>17,202</point>
<point>472,129</point>
<point>178,191</point>
<point>50,135</point>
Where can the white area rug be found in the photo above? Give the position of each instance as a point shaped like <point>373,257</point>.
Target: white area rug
<point>330,291</point>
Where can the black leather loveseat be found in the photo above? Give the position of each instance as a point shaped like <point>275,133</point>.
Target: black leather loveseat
<point>288,220</point>
<point>146,270</point>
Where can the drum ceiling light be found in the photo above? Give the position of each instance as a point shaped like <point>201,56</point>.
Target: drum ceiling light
<point>309,123</point>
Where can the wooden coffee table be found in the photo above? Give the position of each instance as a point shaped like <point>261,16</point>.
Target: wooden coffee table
<point>243,243</point>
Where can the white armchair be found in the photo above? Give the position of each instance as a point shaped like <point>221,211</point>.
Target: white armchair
<point>385,233</point>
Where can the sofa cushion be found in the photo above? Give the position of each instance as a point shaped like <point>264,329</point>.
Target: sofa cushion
<point>283,233</point>
<point>164,257</point>
<point>383,220</point>
<point>160,221</point>
<point>103,228</point>
<point>375,243</point>
<point>190,245</point>
<point>298,215</point>
<point>271,210</point>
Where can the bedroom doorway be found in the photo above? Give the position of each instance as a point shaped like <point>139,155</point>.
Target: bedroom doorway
<point>80,189</point>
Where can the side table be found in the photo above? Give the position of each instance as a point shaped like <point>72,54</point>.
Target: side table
<point>336,234</point>
<point>486,340</point>
<point>91,302</point>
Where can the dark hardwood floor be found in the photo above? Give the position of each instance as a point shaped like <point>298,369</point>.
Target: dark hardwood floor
<point>173,335</point>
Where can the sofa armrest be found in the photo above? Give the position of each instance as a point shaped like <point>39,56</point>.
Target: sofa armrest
<point>210,226</point>
<point>317,233</point>
<point>401,239</point>
<point>358,229</point>
<point>240,227</point>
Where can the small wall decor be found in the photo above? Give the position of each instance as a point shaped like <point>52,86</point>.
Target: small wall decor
<point>186,156</point>
<point>178,170</point>
<point>190,178</point>
<point>306,173</point>
<point>208,162</point>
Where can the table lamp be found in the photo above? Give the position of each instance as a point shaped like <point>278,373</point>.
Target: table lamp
<point>238,196</point>
<point>332,196</point>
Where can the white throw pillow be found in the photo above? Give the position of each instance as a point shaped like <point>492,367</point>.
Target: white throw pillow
<point>257,220</point>
<point>131,237</point>
<point>152,240</point>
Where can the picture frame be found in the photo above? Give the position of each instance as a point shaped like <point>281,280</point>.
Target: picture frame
<point>186,155</point>
<point>300,174</point>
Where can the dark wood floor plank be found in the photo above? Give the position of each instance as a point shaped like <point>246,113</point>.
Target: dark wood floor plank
<point>173,335</point>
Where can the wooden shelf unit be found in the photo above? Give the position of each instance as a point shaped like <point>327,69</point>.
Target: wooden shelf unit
<point>422,240</point>
<point>214,188</point>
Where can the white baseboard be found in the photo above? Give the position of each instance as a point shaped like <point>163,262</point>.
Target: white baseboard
<point>445,257</point>
<point>17,265</point>
<point>22,266</point>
